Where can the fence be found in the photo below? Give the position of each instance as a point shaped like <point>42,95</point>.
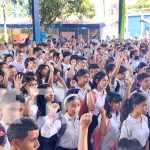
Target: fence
<point>20,33</point>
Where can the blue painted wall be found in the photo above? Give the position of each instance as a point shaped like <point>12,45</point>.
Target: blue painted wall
<point>134,25</point>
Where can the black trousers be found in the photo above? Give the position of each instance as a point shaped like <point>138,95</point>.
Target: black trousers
<point>92,126</point>
<point>61,148</point>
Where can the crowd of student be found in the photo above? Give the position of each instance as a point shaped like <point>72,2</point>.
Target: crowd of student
<point>69,94</point>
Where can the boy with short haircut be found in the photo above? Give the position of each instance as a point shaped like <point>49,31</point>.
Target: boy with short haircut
<point>23,135</point>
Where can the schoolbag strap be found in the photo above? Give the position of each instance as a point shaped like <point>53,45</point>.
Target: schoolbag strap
<point>61,131</point>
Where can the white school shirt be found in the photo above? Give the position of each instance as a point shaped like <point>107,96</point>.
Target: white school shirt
<point>70,137</point>
<point>19,66</point>
<point>59,90</point>
<point>100,101</point>
<point>137,128</point>
<point>33,110</point>
<point>122,88</point>
<point>112,131</point>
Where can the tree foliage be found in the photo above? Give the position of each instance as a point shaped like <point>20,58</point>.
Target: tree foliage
<point>52,9</point>
<point>140,4</point>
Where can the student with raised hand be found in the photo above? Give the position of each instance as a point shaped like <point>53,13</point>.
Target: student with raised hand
<point>23,135</point>
<point>69,140</point>
<point>85,121</point>
<point>96,100</point>
<point>112,106</point>
<point>135,123</point>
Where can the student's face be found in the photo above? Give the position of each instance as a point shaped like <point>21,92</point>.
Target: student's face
<point>45,71</point>
<point>141,108</point>
<point>30,142</point>
<point>49,94</point>
<point>93,72</point>
<point>73,108</point>
<point>103,83</point>
<point>12,112</point>
<point>56,59</point>
<point>83,80</point>
<point>116,106</point>
<point>13,73</point>
<point>31,84</point>
<point>56,77</point>
<point>38,54</point>
<point>145,83</point>
<point>82,64</point>
<point>67,58</point>
<point>121,76</point>
<point>9,59</point>
<point>19,57</point>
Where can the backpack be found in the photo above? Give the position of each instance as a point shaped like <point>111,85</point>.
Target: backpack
<point>84,108</point>
<point>97,139</point>
<point>53,142</point>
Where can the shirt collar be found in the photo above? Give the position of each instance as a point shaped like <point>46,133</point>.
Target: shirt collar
<point>67,116</point>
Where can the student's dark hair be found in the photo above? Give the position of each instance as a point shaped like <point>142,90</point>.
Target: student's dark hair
<point>1,73</point>
<point>28,60</point>
<point>142,76</point>
<point>98,76</point>
<point>1,64</point>
<point>39,73</point>
<point>111,97</point>
<point>80,73</point>
<point>122,69</point>
<point>135,99</point>
<point>28,77</point>
<point>109,67</point>
<point>129,144</point>
<point>6,56</point>
<point>12,96</point>
<point>41,102</point>
<point>18,51</point>
<point>56,54</point>
<point>36,49</point>
<point>93,66</point>
<point>20,128</point>
<point>74,57</point>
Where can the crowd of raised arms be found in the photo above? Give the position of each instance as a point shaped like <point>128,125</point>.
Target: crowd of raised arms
<point>72,93</point>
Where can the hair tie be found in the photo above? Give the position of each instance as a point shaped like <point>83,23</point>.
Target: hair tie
<point>71,95</point>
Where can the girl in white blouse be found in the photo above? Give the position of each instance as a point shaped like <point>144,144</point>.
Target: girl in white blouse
<point>69,140</point>
<point>135,124</point>
<point>112,107</point>
<point>100,83</point>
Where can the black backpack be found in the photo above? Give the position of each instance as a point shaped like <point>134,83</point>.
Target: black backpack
<point>53,142</point>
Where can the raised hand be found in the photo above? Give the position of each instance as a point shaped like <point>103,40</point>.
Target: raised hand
<point>18,82</point>
<point>33,91</point>
<point>53,108</point>
<point>85,120</point>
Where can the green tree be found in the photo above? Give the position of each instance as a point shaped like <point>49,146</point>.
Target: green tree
<point>140,4</point>
<point>52,9</point>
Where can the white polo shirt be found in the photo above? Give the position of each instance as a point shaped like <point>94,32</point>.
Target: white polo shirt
<point>100,101</point>
<point>135,128</point>
<point>70,137</point>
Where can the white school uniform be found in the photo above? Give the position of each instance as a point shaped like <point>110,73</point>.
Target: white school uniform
<point>100,101</point>
<point>112,131</point>
<point>70,137</point>
<point>137,128</point>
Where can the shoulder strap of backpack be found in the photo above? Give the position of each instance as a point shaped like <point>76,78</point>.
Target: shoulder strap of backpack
<point>117,87</point>
<point>61,131</point>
